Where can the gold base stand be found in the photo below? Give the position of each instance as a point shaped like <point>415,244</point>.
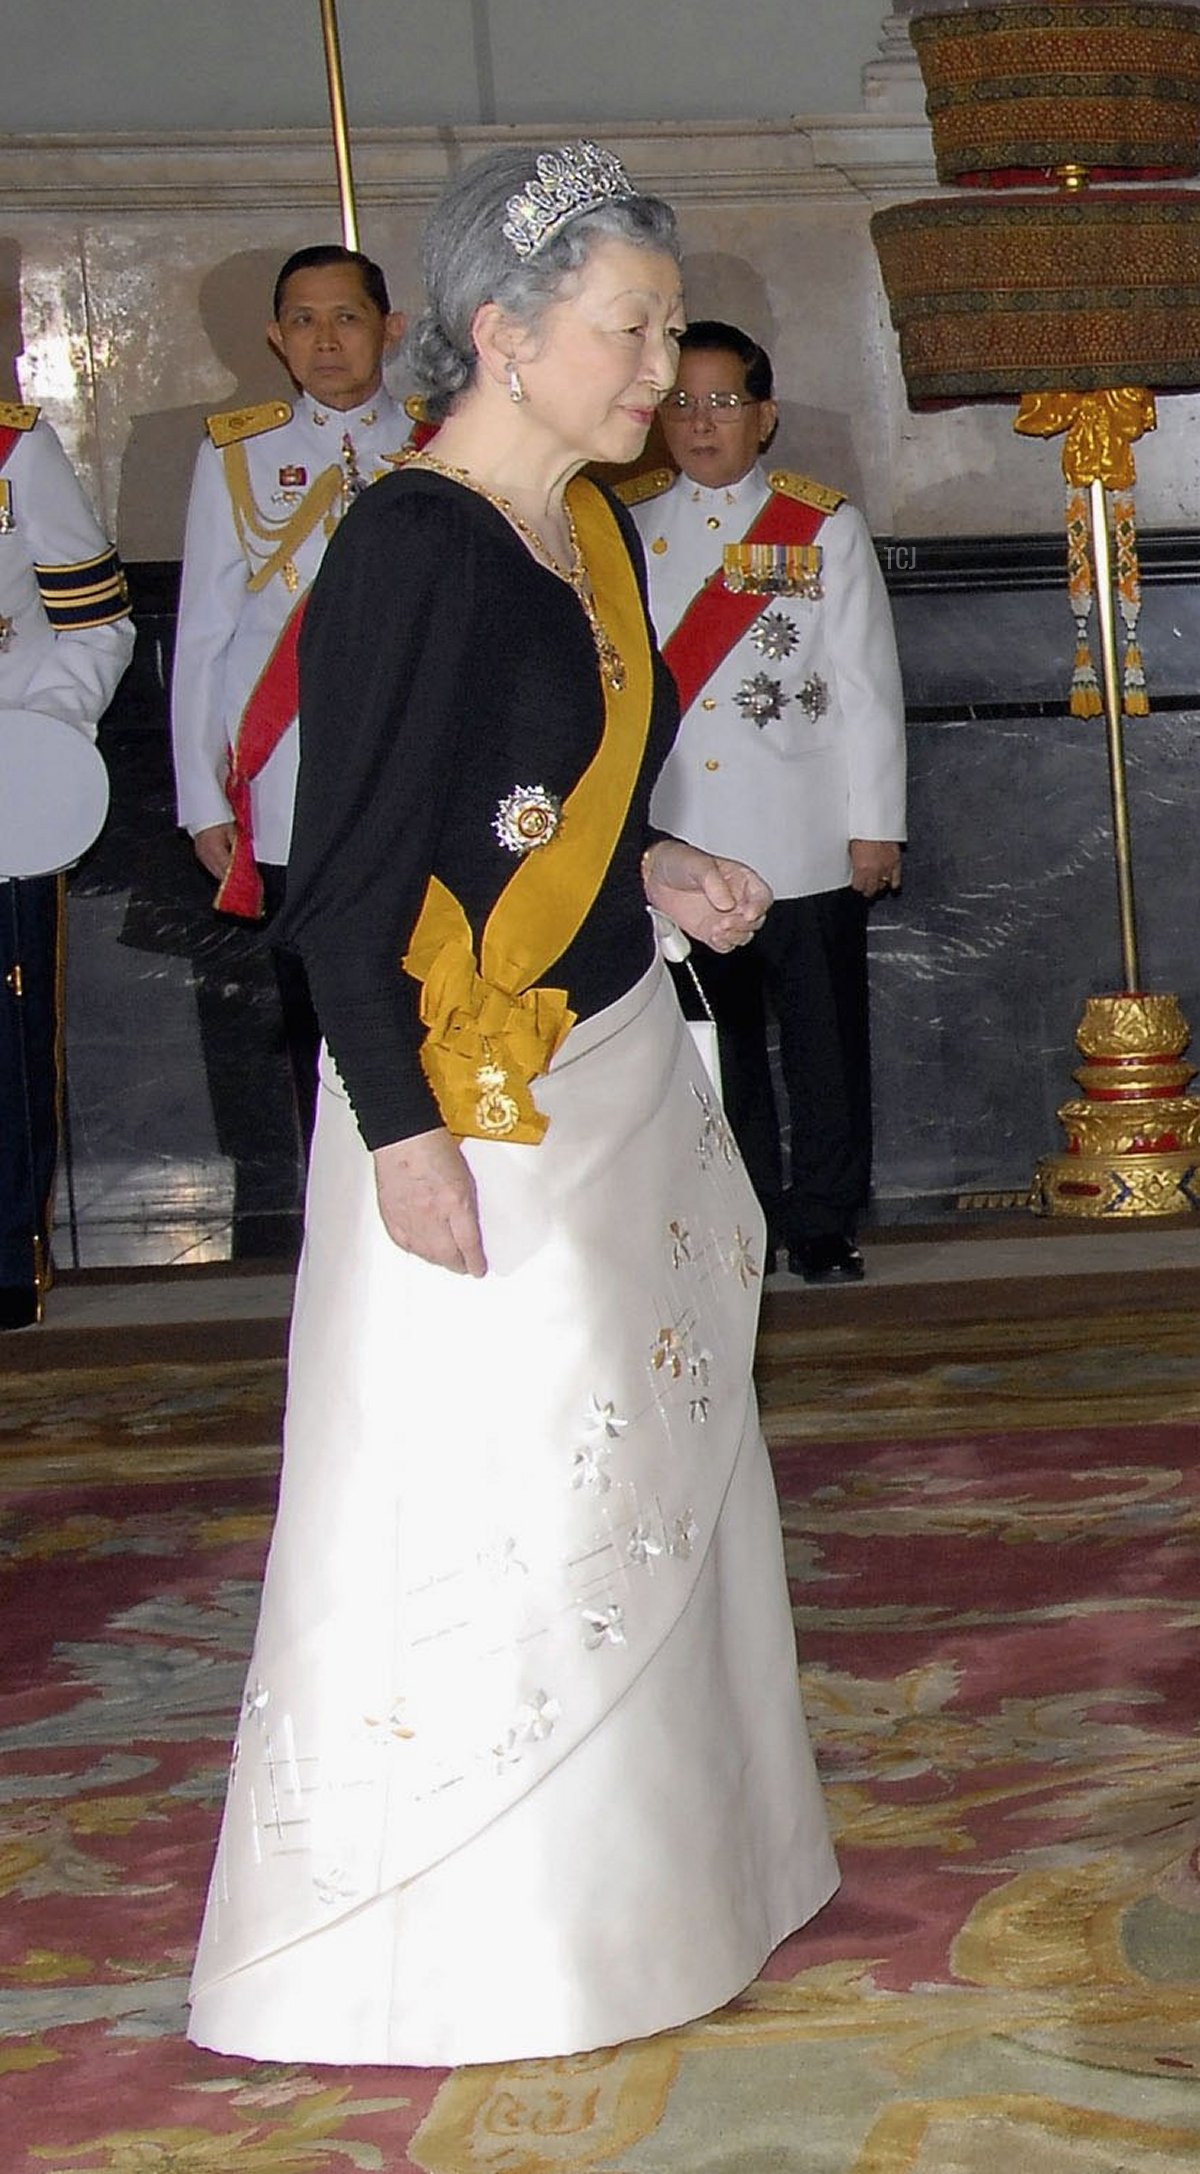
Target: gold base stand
<point>1133,1145</point>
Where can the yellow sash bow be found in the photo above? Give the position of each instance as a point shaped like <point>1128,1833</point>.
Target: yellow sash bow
<point>491,1030</point>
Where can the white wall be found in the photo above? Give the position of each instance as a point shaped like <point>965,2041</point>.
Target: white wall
<point>171,65</point>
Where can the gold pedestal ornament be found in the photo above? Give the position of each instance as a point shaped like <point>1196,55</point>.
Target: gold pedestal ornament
<point>1133,1145</point>
<point>1081,303</point>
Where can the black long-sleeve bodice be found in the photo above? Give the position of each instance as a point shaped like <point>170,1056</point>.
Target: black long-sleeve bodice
<point>441,667</point>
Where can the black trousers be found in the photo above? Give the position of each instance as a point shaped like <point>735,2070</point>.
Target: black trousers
<point>32,923</point>
<point>807,967</point>
<point>301,1030</point>
<point>253,1007</point>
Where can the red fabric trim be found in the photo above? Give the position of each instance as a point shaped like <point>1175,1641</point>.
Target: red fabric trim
<point>716,618</point>
<point>273,703</point>
<point>8,438</point>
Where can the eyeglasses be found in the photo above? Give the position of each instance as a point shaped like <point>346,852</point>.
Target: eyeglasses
<point>719,407</point>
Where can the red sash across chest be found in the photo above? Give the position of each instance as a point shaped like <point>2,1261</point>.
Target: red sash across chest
<point>718,617</point>
<point>273,702</point>
<point>270,709</point>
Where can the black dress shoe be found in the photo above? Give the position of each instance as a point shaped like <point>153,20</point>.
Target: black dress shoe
<point>18,1306</point>
<point>830,1259</point>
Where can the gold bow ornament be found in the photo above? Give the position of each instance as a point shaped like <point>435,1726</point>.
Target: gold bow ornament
<point>1101,430</point>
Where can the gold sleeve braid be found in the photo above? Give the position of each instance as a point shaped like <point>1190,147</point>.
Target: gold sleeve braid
<point>91,594</point>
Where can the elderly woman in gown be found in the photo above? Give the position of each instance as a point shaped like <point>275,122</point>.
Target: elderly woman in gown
<point>521,1767</point>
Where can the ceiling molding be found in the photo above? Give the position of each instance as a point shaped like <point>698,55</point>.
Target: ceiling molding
<point>740,163</point>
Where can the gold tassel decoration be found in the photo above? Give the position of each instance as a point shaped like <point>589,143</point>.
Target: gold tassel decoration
<point>1101,430</point>
<point>1085,687</point>
<point>1135,701</point>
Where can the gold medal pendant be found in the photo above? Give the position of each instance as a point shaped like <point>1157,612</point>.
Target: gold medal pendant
<point>496,1113</point>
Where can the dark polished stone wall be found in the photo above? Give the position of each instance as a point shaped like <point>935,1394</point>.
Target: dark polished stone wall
<point>1009,917</point>
<point>182,1141</point>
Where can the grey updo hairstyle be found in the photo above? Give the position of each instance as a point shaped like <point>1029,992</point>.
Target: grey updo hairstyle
<point>467,261</point>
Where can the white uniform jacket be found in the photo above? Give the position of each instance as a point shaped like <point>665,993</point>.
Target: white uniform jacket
<point>65,631</point>
<point>795,744</point>
<point>227,629</point>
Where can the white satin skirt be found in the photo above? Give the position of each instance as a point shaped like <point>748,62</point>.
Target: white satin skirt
<point>521,1767</point>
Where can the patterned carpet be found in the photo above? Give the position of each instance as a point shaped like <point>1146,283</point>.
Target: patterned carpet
<point>992,1503</point>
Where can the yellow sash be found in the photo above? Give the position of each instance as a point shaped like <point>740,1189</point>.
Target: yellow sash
<point>491,1030</point>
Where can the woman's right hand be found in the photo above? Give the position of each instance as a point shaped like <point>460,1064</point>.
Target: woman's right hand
<point>428,1203</point>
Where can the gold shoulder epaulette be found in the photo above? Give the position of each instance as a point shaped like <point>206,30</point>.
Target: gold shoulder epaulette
<point>17,415</point>
<point>820,495</point>
<point>635,490</point>
<point>238,423</point>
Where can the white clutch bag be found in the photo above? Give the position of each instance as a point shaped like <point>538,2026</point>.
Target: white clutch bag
<point>676,948</point>
<point>704,1035</point>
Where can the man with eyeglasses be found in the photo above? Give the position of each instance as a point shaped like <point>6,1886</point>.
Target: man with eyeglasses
<point>768,601</point>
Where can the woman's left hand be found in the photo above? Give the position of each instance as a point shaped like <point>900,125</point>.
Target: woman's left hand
<point>718,902</point>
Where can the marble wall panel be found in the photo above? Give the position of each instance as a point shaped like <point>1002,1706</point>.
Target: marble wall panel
<point>185,333</point>
<point>1007,923</point>
<point>801,278</point>
<point>48,348</point>
<point>181,332</point>
<point>144,271</point>
<point>140,260</point>
<point>1009,647</point>
<point>183,1141</point>
<point>965,473</point>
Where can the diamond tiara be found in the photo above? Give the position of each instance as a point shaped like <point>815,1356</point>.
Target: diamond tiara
<point>574,179</point>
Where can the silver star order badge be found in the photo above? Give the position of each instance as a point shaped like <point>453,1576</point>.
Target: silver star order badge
<point>814,697</point>
<point>761,699</point>
<point>527,818</point>
<point>774,635</point>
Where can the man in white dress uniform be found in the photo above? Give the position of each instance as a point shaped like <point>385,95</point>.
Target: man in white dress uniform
<point>770,607</point>
<point>65,640</point>
<point>269,487</point>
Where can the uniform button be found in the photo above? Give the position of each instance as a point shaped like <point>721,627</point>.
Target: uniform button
<point>712,521</point>
<point>712,763</point>
<point>709,702</point>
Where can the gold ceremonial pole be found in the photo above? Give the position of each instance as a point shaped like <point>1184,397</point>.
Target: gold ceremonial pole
<point>1122,850</point>
<point>341,134</point>
<point>1134,1135</point>
<point>1079,89</point>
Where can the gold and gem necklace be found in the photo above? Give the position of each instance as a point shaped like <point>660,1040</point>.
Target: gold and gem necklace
<point>612,664</point>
